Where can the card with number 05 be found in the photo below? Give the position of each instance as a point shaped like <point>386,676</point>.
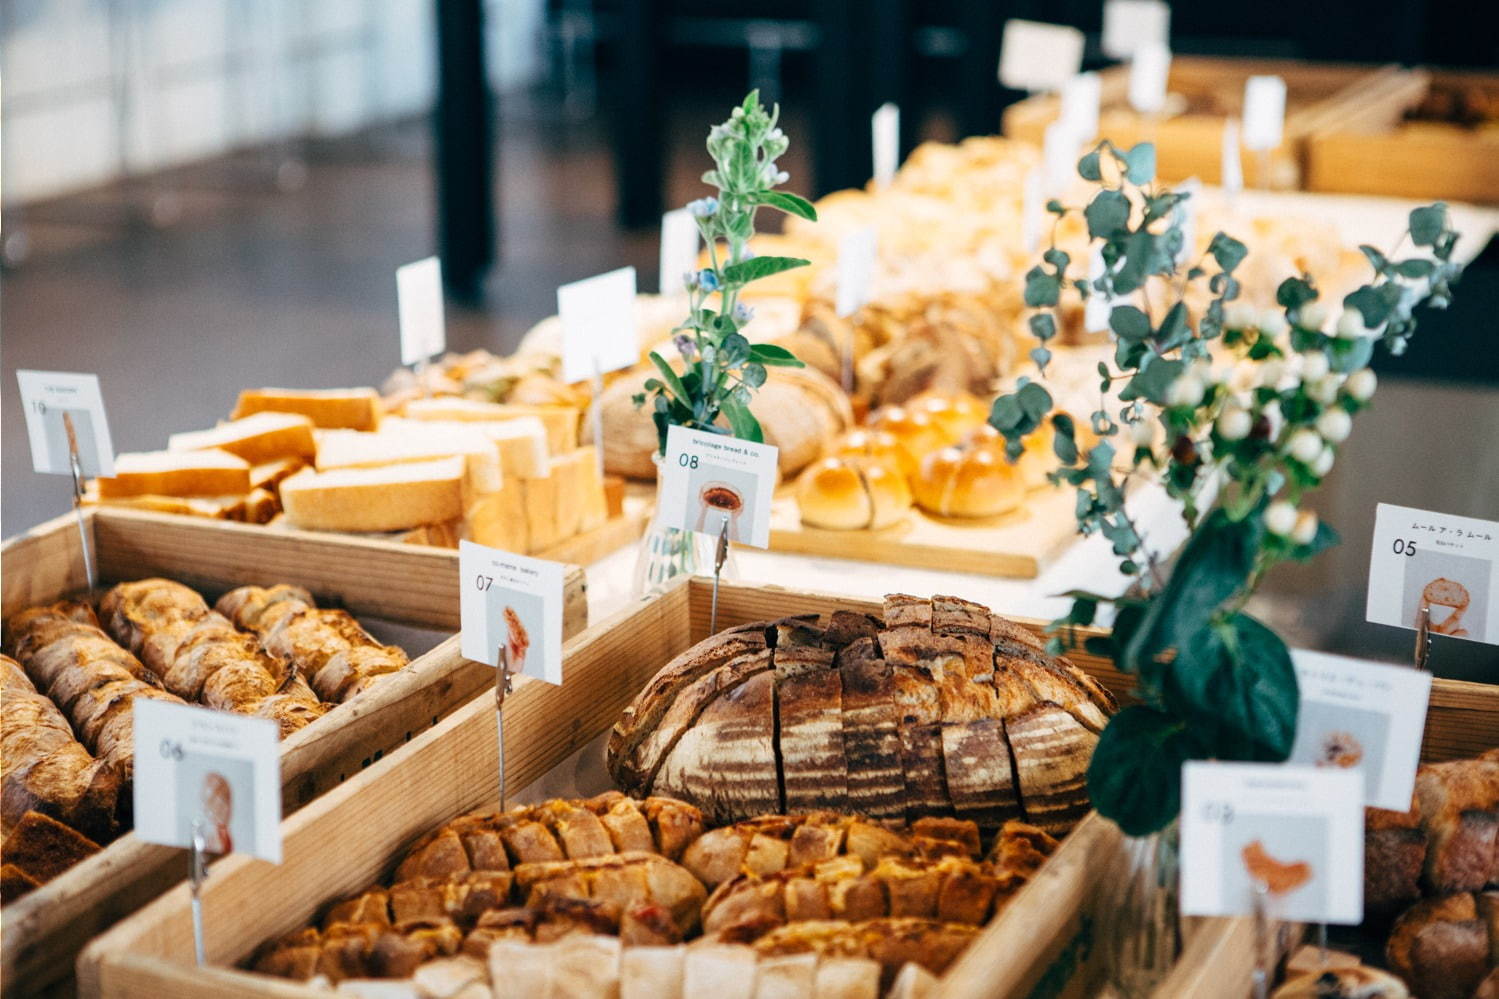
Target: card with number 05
<point>1437,561</point>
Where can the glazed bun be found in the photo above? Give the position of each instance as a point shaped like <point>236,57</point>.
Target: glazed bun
<point>878,445</point>
<point>846,494</point>
<point>972,479</point>
<point>917,432</point>
<point>955,415</point>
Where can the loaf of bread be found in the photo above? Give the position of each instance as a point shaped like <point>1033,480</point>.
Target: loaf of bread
<point>956,415</point>
<point>329,409</point>
<point>36,849</point>
<point>340,449</point>
<point>970,479</point>
<point>1357,982</point>
<point>201,656</point>
<point>1395,846</point>
<point>561,422</point>
<point>327,646</point>
<point>877,445</point>
<point>176,473</point>
<point>259,439</point>
<point>889,942</point>
<point>915,429</point>
<point>1459,804</point>
<point>938,708</point>
<point>90,678</point>
<point>44,768</point>
<point>387,498</point>
<point>847,494</point>
<point>521,440</point>
<point>1442,946</point>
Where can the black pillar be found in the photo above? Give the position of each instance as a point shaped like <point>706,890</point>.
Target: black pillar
<point>979,99</point>
<point>464,150</point>
<point>638,117</point>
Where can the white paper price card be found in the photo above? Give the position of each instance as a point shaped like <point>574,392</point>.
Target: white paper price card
<point>709,480</point>
<point>1363,716</point>
<point>857,251</point>
<point>1131,25</point>
<point>1148,72</point>
<point>1059,156</point>
<point>885,126</point>
<point>511,601</point>
<point>1292,835</point>
<point>1264,112</point>
<point>47,396</point>
<point>216,770</point>
<point>598,324</point>
<point>679,242</point>
<point>1037,56</point>
<point>419,303</point>
<point>1080,97</point>
<point>1444,562</point>
<point>1231,172</point>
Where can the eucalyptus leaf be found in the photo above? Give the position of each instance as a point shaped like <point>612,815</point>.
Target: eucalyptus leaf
<point>1107,214</point>
<point>1034,400</point>
<point>1293,293</point>
<point>1428,223</point>
<point>1377,260</point>
<point>1152,380</point>
<point>1043,326</point>
<point>1415,268</point>
<point>1227,251</point>
<point>1128,323</point>
<point>1174,329</point>
<point>1088,167</point>
<point>1064,441</point>
<point>752,374</point>
<point>1041,356</point>
<point>1042,290</point>
<point>1139,164</point>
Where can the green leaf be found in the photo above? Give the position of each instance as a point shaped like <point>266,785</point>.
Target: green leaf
<point>1056,207</point>
<point>1428,223</point>
<point>1139,164</point>
<point>752,374</point>
<point>1041,356</point>
<point>1377,260</point>
<point>1107,214</point>
<point>1227,251</point>
<point>1034,400</point>
<point>733,350</point>
<point>742,421</point>
<point>1064,441</point>
<point>1088,168</point>
<point>1058,259</point>
<point>1006,415</point>
<point>1371,304</point>
<point>1293,293</point>
<point>773,356</point>
<point>670,377</point>
<point>791,204</point>
<point>1415,268</point>
<point>1042,290</point>
<point>1233,681</point>
<point>1143,256</point>
<point>1347,356</point>
<point>1043,326</point>
<point>758,267</point>
<point>1128,323</point>
<point>1152,380</point>
<point>1325,538</point>
<point>1135,775</point>
<point>1174,329</point>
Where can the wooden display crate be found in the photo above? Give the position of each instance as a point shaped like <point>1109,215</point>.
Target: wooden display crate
<point>1041,944</point>
<point>379,582</point>
<point>1411,159</point>
<point>1189,140</point>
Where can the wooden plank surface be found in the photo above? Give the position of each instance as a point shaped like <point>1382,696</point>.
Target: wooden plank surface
<point>43,563</point>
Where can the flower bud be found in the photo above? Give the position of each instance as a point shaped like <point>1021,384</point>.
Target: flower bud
<point>1351,325</point>
<point>1240,315</point>
<point>1185,391</point>
<point>1335,425</point>
<point>1305,531</point>
<point>1184,452</point>
<point>1314,366</point>
<point>1273,323</point>
<point>1361,384</point>
<point>1280,518</point>
<point>1234,424</point>
<point>1271,371</point>
<point>1323,464</point>
<point>1324,389</point>
<point>1304,446</point>
<point>1312,316</point>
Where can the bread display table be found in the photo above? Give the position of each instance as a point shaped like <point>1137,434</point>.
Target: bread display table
<point>405,594</point>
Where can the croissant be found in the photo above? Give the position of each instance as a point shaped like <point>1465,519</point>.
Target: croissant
<point>200,656</point>
<point>339,658</point>
<point>91,679</point>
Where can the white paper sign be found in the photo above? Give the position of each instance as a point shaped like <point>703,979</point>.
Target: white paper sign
<point>1231,173</point>
<point>679,243</point>
<point>1299,831</point>
<point>709,479</point>
<point>885,128</point>
<point>47,396</point>
<point>1444,561</point>
<point>515,601</point>
<point>219,770</point>
<point>1264,111</point>
<point>419,302</point>
<point>1148,72</point>
<point>1364,716</point>
<point>1036,56</point>
<point>856,256</point>
<point>598,324</point>
<point>1059,156</point>
<point>1131,25</point>
<point>1080,97</point>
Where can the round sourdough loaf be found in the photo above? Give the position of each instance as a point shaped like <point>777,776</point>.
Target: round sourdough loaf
<point>936,707</point>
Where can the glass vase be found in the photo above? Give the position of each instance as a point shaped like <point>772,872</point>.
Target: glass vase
<point>1139,921</point>
<point>669,553</point>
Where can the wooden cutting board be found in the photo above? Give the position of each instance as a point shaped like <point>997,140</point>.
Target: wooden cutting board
<point>1017,545</point>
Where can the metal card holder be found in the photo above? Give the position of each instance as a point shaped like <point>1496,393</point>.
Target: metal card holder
<point>75,465</point>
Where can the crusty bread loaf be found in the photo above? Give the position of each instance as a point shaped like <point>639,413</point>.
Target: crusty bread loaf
<point>41,848</point>
<point>848,494</point>
<point>176,473</point>
<point>389,498</point>
<point>1394,857</point>
<point>970,479</point>
<point>329,409</point>
<point>1440,947</point>
<point>258,439</point>
<point>1459,803</point>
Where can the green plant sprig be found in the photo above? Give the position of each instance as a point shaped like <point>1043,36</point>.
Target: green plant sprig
<point>720,369</point>
<point>1214,682</point>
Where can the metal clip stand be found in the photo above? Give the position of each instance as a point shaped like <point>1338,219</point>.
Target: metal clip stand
<point>502,686</point>
<point>596,415</point>
<point>75,465</point>
<point>720,556</point>
<point>1423,635</point>
<point>1322,944</point>
<point>1261,975</point>
<point>199,875</point>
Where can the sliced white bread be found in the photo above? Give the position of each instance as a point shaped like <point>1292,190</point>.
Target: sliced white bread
<point>595,503</point>
<point>387,498</point>
<point>408,443</point>
<point>561,422</point>
<point>330,409</point>
<point>174,473</point>
<point>522,440</point>
<point>259,438</point>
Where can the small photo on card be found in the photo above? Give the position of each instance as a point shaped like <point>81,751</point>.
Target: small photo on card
<point>1288,854</point>
<point>205,793</point>
<point>1455,587</point>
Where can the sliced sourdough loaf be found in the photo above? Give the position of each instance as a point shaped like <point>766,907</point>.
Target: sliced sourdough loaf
<point>260,438</point>
<point>171,473</point>
<point>350,408</point>
<point>388,498</point>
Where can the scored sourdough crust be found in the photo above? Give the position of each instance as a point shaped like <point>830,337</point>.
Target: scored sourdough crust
<point>936,708</point>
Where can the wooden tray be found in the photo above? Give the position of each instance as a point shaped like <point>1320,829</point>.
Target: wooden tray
<point>1416,160</point>
<point>400,584</point>
<point>345,840</point>
<point>1190,143</point>
<point>1015,545</point>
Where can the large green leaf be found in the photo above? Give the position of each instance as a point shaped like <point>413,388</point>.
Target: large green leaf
<point>773,356</point>
<point>758,267</point>
<point>1234,683</point>
<point>1129,323</point>
<point>1107,214</point>
<point>791,204</point>
<point>670,377</point>
<point>1427,223</point>
<point>1135,775</point>
<point>742,421</point>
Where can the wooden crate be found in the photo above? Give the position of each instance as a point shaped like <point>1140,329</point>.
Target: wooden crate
<point>402,584</point>
<point>1410,160</point>
<point>349,838</point>
<point>1189,143</point>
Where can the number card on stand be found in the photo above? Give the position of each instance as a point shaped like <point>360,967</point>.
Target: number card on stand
<point>709,480</point>
<point>1437,561</point>
<point>419,304</point>
<point>1289,836</point>
<point>1149,71</point>
<point>885,128</point>
<point>679,243</point>
<point>1036,56</point>
<point>1264,112</point>
<point>50,395</point>
<point>1362,716</point>
<point>512,601</point>
<point>1131,25</point>
<point>598,325</point>
<point>216,771</point>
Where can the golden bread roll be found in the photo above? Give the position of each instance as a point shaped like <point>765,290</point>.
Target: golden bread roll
<point>1036,459</point>
<point>867,444</point>
<point>847,494</point>
<point>917,432</point>
<point>972,479</point>
<point>956,415</point>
